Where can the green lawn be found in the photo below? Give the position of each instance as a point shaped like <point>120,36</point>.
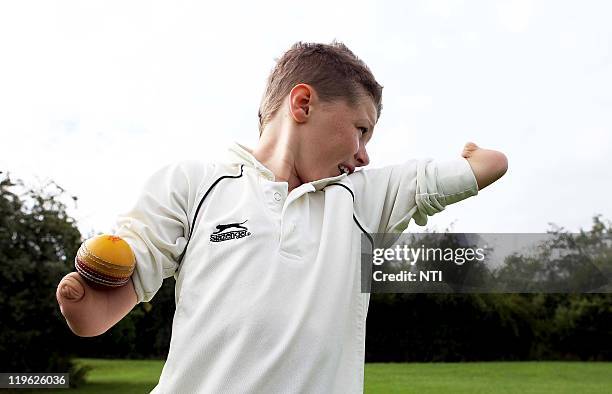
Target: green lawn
<point>140,376</point>
<point>489,377</point>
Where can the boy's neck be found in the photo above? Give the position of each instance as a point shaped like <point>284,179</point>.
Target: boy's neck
<point>277,150</point>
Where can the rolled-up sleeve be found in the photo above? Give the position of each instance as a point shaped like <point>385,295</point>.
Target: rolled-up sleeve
<point>157,225</point>
<point>440,184</point>
<point>389,197</point>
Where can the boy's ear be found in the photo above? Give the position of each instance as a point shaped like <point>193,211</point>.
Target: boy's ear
<point>301,99</point>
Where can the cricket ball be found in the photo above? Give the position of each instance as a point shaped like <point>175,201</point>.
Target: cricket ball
<point>105,260</point>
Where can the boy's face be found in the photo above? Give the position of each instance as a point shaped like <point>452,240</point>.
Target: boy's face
<point>335,138</point>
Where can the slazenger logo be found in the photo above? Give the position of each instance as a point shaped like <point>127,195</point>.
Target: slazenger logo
<point>222,235</point>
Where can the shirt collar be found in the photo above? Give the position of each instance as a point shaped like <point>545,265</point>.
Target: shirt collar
<point>240,154</point>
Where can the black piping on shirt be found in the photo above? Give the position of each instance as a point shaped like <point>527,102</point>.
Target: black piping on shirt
<point>240,175</point>
<point>200,206</point>
<point>354,218</point>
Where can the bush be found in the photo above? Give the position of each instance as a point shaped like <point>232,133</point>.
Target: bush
<point>38,242</point>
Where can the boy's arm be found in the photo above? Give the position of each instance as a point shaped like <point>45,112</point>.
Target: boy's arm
<point>90,311</point>
<point>155,228</point>
<point>487,165</point>
<point>157,225</point>
<point>388,198</point>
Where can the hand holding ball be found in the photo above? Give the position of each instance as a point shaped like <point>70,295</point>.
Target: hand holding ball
<point>105,260</point>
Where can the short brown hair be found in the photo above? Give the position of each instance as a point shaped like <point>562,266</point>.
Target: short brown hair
<point>332,69</point>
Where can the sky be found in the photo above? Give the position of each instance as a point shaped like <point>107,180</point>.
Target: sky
<point>97,95</point>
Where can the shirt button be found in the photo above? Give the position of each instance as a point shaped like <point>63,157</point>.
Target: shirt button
<point>277,196</point>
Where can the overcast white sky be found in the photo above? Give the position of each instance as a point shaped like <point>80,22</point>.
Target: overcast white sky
<point>97,95</point>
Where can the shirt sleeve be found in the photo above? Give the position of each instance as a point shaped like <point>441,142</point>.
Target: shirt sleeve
<point>387,198</point>
<point>157,225</point>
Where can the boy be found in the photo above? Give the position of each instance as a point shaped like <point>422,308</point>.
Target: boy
<point>265,248</point>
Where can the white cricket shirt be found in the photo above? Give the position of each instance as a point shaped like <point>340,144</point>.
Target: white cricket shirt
<point>268,293</point>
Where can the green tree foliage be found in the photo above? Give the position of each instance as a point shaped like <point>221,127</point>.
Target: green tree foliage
<point>448,327</point>
<point>470,327</point>
<point>564,263</point>
<point>38,242</point>
<point>583,328</point>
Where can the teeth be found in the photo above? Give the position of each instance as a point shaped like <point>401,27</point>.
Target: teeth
<point>343,169</point>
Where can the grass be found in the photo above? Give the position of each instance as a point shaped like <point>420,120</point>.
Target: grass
<point>140,376</point>
<point>115,376</point>
<point>489,377</point>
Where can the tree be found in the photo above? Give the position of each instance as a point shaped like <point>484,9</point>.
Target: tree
<point>38,243</point>
<point>469,327</point>
<point>563,263</point>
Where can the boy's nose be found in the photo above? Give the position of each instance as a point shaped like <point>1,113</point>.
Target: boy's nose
<point>362,157</point>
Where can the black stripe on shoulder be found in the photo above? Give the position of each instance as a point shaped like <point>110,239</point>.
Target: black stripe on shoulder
<point>354,218</point>
<point>341,185</point>
<point>200,206</point>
